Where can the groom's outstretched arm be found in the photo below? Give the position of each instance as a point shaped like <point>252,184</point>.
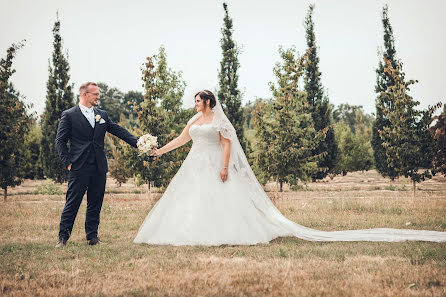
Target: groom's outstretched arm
<point>62,136</point>
<point>120,132</point>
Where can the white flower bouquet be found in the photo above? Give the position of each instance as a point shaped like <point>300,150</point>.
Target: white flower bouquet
<point>146,143</point>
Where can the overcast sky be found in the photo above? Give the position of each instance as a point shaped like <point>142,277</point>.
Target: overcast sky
<point>107,41</point>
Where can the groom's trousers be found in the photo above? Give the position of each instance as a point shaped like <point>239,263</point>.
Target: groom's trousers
<point>93,182</point>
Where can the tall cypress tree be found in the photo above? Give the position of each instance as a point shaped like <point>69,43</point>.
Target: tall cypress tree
<point>59,97</point>
<point>228,93</point>
<point>14,124</point>
<point>383,101</point>
<point>319,104</point>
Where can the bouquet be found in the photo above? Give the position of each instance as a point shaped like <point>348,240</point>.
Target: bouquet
<point>146,143</point>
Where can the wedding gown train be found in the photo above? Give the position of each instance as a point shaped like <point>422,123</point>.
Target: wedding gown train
<point>197,208</point>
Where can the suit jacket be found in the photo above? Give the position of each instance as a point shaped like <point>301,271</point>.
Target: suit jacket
<point>74,127</point>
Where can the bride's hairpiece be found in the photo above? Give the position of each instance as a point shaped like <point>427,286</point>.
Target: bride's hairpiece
<point>207,95</point>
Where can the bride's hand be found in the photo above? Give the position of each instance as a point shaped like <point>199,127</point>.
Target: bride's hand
<point>155,152</point>
<point>224,174</point>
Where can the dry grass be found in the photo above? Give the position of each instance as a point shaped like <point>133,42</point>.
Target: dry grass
<point>29,264</point>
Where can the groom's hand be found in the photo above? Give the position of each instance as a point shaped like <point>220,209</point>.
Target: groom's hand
<point>138,144</point>
<point>69,167</point>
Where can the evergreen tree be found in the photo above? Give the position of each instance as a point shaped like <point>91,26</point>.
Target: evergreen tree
<point>384,81</point>
<point>59,98</point>
<point>248,110</point>
<point>251,137</point>
<point>439,132</point>
<point>32,168</point>
<point>229,94</point>
<point>14,124</point>
<point>319,104</point>
<point>408,143</point>
<point>285,132</point>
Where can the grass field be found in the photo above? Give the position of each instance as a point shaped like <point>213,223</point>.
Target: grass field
<point>31,266</point>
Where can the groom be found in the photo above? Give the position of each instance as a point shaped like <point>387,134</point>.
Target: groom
<point>85,126</point>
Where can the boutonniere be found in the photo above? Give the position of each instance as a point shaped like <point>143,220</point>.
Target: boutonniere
<point>97,118</point>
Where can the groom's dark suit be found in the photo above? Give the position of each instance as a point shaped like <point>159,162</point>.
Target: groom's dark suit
<point>89,165</point>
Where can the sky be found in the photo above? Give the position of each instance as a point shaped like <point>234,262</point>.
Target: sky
<point>108,41</point>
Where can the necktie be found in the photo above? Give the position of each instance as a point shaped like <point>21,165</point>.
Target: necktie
<point>90,117</point>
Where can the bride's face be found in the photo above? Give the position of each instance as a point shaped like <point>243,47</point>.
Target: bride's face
<point>199,104</point>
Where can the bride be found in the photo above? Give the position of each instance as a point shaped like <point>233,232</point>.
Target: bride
<point>215,198</point>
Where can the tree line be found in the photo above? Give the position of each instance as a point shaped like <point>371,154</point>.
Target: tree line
<point>294,136</point>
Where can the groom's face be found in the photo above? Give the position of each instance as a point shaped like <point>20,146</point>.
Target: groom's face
<point>92,95</point>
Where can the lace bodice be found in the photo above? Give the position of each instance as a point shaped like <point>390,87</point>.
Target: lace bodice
<point>205,134</point>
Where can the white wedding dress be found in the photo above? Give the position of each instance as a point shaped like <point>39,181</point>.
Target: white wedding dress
<point>197,208</point>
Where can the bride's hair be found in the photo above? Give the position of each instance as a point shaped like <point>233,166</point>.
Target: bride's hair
<point>208,98</point>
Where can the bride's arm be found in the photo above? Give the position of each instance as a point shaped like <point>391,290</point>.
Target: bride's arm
<point>226,145</point>
<point>176,143</point>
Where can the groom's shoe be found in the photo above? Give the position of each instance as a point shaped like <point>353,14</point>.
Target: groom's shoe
<point>61,243</point>
<point>94,241</point>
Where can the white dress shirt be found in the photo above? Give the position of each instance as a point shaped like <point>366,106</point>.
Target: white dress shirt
<point>88,113</point>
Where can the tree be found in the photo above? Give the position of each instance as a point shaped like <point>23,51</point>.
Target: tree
<point>408,143</point>
<point>118,168</point>
<point>384,81</point>
<point>32,168</point>
<point>160,115</point>
<point>228,94</point>
<point>285,132</point>
<point>319,104</point>
<point>439,132</point>
<point>353,135</point>
<point>14,124</point>
<point>59,97</point>
<point>112,100</point>
<point>353,116</point>
<point>355,151</point>
<point>133,99</point>
<point>248,110</point>
<point>152,120</point>
<point>171,87</point>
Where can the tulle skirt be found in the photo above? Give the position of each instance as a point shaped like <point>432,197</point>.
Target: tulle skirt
<point>197,208</point>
